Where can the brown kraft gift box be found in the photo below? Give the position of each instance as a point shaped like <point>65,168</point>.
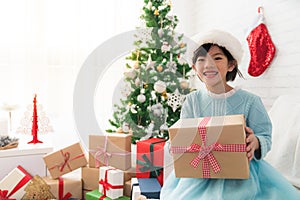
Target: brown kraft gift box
<point>68,187</point>
<point>65,160</point>
<point>90,178</point>
<point>113,149</point>
<point>210,147</point>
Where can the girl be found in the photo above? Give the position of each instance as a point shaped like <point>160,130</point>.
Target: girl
<point>216,62</point>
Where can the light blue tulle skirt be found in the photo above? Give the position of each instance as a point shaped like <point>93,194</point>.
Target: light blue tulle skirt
<point>264,183</point>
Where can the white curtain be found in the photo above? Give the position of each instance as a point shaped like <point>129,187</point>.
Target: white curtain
<point>43,44</point>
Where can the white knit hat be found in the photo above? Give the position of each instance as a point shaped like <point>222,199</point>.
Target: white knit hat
<point>224,39</point>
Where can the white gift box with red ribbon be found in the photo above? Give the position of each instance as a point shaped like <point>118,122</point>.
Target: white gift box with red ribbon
<point>111,182</point>
<point>13,185</point>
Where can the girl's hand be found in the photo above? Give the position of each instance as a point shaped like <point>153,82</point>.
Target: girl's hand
<point>252,143</point>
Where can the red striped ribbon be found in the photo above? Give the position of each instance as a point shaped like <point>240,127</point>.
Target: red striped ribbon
<point>205,151</point>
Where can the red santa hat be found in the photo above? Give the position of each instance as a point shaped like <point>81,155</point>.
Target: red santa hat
<point>224,39</point>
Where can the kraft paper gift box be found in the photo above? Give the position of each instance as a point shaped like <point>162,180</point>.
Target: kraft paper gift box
<point>129,173</point>
<point>113,149</point>
<point>210,147</point>
<point>111,182</point>
<point>127,188</point>
<point>150,158</point>
<point>65,188</point>
<point>96,195</point>
<point>65,160</point>
<point>90,178</point>
<point>12,185</point>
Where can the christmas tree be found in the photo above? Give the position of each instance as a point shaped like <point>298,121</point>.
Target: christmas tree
<point>156,79</point>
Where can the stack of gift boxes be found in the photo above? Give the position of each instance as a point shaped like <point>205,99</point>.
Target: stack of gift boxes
<point>212,147</point>
<point>106,171</point>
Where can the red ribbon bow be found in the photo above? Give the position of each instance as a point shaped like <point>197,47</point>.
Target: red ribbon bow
<point>106,185</point>
<point>66,159</point>
<point>4,195</point>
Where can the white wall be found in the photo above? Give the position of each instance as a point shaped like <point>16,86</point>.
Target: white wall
<point>282,20</point>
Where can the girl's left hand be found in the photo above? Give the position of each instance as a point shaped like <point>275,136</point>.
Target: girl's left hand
<point>252,143</point>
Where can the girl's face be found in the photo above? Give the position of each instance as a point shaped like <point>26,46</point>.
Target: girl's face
<point>212,69</point>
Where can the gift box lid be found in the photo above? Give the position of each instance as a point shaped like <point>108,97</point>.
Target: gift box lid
<point>150,187</point>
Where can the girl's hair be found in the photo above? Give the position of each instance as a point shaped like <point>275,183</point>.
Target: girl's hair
<point>202,51</point>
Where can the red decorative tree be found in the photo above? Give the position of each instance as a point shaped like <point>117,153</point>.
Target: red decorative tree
<point>35,128</point>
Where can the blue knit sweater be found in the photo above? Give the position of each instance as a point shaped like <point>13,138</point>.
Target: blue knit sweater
<point>203,104</point>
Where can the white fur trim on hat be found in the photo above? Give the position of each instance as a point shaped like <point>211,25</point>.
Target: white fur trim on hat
<point>223,39</point>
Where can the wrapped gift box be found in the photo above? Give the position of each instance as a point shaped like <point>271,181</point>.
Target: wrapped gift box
<point>90,178</point>
<point>65,188</point>
<point>129,174</point>
<point>14,183</point>
<point>210,147</point>
<point>127,188</point>
<point>30,157</point>
<point>113,150</point>
<point>148,187</point>
<point>111,182</point>
<point>65,160</point>
<point>96,195</point>
<point>150,158</point>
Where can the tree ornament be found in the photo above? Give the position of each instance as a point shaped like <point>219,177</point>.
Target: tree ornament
<point>184,84</point>
<point>175,100</point>
<point>182,45</point>
<point>262,49</point>
<point>150,63</point>
<point>141,98</point>
<point>159,68</point>
<point>149,5</point>
<point>160,86</point>
<point>130,74</point>
<point>125,127</point>
<point>160,32</point>
<point>148,131</point>
<point>181,60</point>
<point>126,90</point>
<point>165,47</point>
<point>157,109</point>
<point>171,65</point>
<point>137,81</point>
<point>156,12</point>
<point>136,65</point>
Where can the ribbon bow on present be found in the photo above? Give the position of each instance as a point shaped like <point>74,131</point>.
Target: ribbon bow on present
<point>67,158</point>
<point>149,166</point>
<point>205,151</point>
<point>106,155</point>
<point>106,185</point>
<point>4,195</point>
